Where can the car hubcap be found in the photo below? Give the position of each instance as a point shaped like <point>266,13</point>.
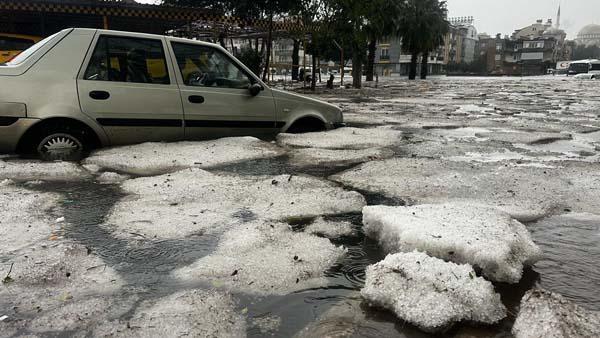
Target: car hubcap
<point>59,146</point>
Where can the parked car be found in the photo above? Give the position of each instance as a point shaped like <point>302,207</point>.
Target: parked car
<point>85,88</point>
<point>587,76</point>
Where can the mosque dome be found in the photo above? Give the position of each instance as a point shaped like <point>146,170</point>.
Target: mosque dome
<point>589,35</point>
<point>590,30</point>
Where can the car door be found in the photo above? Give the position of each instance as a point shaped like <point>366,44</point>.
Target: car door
<point>215,95</point>
<point>127,86</point>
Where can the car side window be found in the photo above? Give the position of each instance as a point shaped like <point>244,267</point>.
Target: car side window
<point>204,66</point>
<point>126,59</point>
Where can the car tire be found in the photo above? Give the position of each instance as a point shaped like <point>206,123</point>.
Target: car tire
<point>60,143</point>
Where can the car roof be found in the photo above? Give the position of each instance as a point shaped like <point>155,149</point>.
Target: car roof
<point>149,36</point>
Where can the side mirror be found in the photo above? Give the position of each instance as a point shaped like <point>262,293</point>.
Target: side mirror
<point>255,89</point>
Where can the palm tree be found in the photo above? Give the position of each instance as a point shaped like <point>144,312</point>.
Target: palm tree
<point>438,29</point>
<point>383,16</point>
<point>422,28</point>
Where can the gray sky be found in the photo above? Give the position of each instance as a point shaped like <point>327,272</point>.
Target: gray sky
<point>505,16</point>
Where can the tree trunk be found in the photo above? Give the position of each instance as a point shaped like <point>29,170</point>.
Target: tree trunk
<point>319,68</point>
<point>412,72</point>
<point>425,66</point>
<point>357,63</point>
<point>295,60</point>
<point>371,60</point>
<point>313,81</point>
<point>222,40</point>
<point>269,44</point>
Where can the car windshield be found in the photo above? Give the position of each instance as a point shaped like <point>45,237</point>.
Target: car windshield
<point>29,51</point>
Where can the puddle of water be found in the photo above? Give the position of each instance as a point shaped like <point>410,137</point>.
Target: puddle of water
<point>569,148</point>
<point>279,166</point>
<point>571,247</point>
<point>142,261</point>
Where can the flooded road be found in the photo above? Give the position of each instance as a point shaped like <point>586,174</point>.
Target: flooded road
<point>538,124</point>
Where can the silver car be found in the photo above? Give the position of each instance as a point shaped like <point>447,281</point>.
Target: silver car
<point>86,88</point>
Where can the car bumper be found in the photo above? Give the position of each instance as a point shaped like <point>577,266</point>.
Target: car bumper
<point>11,131</point>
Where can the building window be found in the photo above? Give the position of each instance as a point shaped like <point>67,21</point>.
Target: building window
<point>385,54</point>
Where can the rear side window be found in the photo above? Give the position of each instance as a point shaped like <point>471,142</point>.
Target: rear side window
<point>30,51</point>
<point>125,59</point>
<point>9,43</point>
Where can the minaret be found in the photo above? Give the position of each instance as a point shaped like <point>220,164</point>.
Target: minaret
<point>558,18</point>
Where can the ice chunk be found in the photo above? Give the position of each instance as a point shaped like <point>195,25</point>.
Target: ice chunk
<point>327,157</point>
<point>430,293</point>
<point>373,118</point>
<point>32,170</point>
<point>77,315</point>
<point>23,221</point>
<point>525,137</point>
<point>195,313</point>
<point>92,168</point>
<point>112,178</point>
<point>329,229</point>
<point>526,192</point>
<point>265,258</point>
<point>548,315</point>
<point>343,138</point>
<point>157,158</point>
<point>64,266</point>
<point>568,148</point>
<point>460,134</point>
<point>493,156</point>
<point>194,200</point>
<point>460,232</point>
<point>58,286</point>
<point>6,182</point>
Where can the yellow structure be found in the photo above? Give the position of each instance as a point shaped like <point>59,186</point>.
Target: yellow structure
<point>13,44</point>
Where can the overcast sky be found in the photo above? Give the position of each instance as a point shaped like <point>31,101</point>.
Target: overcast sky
<point>505,16</point>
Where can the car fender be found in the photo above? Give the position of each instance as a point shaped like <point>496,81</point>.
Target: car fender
<point>84,119</point>
<point>300,114</point>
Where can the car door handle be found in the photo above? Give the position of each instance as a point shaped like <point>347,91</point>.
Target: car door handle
<point>196,99</point>
<point>99,95</point>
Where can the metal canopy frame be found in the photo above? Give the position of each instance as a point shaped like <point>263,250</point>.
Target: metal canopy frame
<point>45,17</point>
